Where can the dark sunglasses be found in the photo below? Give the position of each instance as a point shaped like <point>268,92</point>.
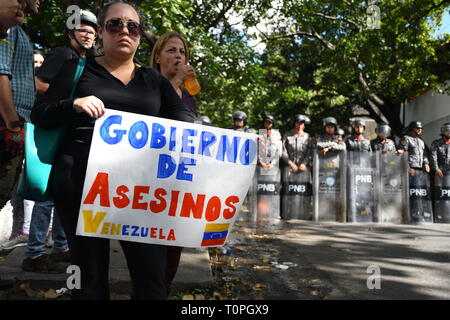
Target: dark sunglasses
<point>114,26</point>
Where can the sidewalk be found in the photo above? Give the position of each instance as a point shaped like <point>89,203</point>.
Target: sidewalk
<point>194,272</point>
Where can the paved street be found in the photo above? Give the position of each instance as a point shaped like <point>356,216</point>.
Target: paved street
<point>305,260</point>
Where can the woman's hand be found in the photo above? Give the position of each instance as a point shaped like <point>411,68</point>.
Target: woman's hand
<point>184,71</point>
<point>91,105</point>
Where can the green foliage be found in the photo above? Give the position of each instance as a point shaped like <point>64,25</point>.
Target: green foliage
<point>320,57</point>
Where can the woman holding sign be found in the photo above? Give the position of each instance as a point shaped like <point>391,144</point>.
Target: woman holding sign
<point>112,81</point>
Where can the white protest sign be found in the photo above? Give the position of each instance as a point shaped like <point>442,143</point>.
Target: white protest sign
<point>167,182</point>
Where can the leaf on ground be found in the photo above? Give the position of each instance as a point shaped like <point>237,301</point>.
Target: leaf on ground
<point>258,287</point>
<point>52,294</point>
<point>257,267</point>
<point>199,297</point>
<point>188,297</point>
<point>25,287</point>
<point>217,296</point>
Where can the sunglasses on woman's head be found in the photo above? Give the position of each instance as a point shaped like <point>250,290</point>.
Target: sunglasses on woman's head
<point>114,26</point>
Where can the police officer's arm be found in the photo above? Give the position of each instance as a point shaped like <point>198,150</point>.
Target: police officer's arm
<point>307,160</point>
<point>426,161</point>
<point>285,155</point>
<point>402,145</point>
<point>434,157</point>
<point>338,146</point>
<point>261,149</point>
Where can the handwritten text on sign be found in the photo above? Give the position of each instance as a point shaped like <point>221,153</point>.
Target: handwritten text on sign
<point>166,182</point>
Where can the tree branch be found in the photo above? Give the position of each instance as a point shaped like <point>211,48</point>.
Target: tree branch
<point>358,26</point>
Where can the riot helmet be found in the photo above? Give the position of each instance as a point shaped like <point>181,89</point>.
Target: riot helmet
<point>445,129</point>
<point>302,118</point>
<point>383,129</point>
<point>205,120</point>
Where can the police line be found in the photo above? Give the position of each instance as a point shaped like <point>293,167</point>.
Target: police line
<point>356,187</point>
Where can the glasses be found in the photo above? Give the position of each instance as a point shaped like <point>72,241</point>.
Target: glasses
<point>85,32</point>
<point>115,26</point>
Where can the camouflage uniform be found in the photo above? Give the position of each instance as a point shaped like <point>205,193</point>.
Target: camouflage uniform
<point>440,155</point>
<point>388,146</point>
<point>354,144</point>
<point>297,148</point>
<point>416,151</point>
<point>332,144</point>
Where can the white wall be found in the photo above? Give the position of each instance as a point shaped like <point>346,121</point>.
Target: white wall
<point>433,110</point>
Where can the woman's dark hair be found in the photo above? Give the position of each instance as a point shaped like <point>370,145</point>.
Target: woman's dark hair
<point>102,16</point>
<point>104,10</point>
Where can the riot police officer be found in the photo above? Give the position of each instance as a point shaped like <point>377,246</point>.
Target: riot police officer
<point>297,145</point>
<point>297,180</point>
<point>329,170</point>
<point>268,174</point>
<point>361,202</point>
<point>417,155</point>
<point>240,122</point>
<point>420,206</point>
<point>440,152</point>
<point>382,143</point>
<point>329,141</point>
<point>357,142</point>
<point>440,163</point>
<point>270,144</point>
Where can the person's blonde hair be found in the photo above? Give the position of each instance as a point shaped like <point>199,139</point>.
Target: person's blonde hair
<point>159,45</point>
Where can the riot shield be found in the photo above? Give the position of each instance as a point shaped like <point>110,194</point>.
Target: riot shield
<point>296,194</point>
<point>362,191</point>
<point>329,180</point>
<point>393,182</point>
<point>442,199</point>
<point>420,205</point>
<point>268,196</point>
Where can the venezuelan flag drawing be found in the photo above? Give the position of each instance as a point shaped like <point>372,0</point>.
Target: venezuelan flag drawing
<point>215,234</point>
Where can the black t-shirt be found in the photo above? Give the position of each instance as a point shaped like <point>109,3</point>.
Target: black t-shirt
<point>54,61</point>
<point>148,93</point>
